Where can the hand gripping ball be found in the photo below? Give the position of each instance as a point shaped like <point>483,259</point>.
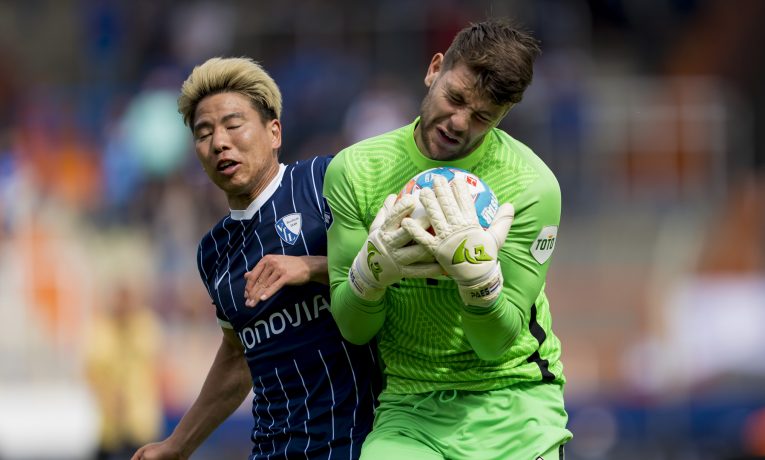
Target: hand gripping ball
<point>485,201</point>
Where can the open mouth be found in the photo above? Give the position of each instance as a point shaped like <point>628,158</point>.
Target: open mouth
<point>447,138</point>
<point>226,166</point>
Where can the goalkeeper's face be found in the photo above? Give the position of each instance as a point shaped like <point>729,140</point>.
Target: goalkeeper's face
<point>454,116</point>
<point>236,148</point>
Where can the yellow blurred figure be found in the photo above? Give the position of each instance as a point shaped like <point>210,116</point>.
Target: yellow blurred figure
<point>123,370</point>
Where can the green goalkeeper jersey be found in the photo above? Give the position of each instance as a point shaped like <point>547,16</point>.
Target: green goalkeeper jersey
<point>427,337</point>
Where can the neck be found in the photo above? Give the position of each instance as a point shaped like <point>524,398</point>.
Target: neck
<point>419,142</point>
<point>243,200</point>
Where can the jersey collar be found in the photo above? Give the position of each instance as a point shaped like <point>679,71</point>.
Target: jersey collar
<point>423,162</point>
<point>268,192</point>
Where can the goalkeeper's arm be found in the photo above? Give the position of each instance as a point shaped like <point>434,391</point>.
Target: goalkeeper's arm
<point>362,265</point>
<point>385,257</point>
<point>492,319</point>
<point>470,255</point>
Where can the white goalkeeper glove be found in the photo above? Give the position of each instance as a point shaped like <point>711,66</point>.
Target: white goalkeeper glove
<point>467,252</point>
<point>389,254</point>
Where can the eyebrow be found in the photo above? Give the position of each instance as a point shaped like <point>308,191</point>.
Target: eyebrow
<point>460,98</point>
<point>227,117</point>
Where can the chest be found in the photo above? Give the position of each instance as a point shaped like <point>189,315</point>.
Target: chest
<point>234,247</point>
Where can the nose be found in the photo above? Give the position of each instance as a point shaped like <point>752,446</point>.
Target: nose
<point>220,140</point>
<point>460,120</point>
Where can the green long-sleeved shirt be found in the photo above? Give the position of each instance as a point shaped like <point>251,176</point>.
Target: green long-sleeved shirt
<point>428,339</point>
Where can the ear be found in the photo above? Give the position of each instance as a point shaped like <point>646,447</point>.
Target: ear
<point>275,129</point>
<point>434,69</point>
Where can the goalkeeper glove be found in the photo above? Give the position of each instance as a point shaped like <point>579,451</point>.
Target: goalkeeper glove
<point>467,252</point>
<point>387,255</point>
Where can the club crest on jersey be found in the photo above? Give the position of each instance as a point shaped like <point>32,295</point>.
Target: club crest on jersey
<point>288,227</point>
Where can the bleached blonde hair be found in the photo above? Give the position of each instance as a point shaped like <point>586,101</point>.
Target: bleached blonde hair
<point>237,75</point>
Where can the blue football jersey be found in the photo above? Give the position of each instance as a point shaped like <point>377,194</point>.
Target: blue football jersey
<point>314,392</point>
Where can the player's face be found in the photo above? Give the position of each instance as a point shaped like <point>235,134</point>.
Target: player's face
<point>454,116</point>
<point>236,148</point>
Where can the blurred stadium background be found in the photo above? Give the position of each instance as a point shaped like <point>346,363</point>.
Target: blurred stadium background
<point>651,113</point>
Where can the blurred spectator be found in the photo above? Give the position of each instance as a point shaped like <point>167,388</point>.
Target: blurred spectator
<point>315,99</point>
<point>122,368</point>
<point>386,104</point>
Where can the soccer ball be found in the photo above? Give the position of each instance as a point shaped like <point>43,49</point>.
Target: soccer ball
<point>486,203</point>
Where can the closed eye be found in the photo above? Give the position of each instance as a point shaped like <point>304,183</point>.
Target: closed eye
<point>482,118</point>
<point>456,100</point>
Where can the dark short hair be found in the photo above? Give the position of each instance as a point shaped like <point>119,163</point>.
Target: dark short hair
<point>501,55</point>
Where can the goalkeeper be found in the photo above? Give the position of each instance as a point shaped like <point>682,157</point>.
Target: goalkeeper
<point>472,365</point>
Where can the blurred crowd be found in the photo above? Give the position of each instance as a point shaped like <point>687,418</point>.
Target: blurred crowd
<point>651,114</point>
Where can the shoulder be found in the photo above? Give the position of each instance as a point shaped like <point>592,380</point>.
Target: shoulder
<point>306,173</point>
<point>311,167</point>
<point>517,148</point>
<point>533,186</point>
<point>211,243</point>
<point>374,153</point>
<point>215,233</point>
<point>367,159</point>
<point>523,160</point>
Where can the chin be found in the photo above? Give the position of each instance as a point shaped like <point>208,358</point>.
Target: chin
<point>442,154</point>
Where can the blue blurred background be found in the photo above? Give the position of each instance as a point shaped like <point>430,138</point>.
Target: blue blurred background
<point>651,114</point>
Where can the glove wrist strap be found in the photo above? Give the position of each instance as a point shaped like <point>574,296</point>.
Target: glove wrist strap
<point>483,294</point>
<point>362,285</point>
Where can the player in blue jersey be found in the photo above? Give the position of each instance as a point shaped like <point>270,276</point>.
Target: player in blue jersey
<point>314,393</point>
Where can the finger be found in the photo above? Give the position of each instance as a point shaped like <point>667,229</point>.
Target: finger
<point>431,270</point>
<point>272,284</point>
<point>248,284</point>
<point>389,201</point>
<point>419,234</point>
<point>397,238</point>
<point>254,274</point>
<point>446,200</point>
<point>411,254</point>
<point>265,280</point>
<point>248,296</point>
<point>382,214</point>
<point>433,210</point>
<point>259,284</point>
<point>465,201</point>
<point>500,226</point>
<point>271,289</point>
<point>249,299</point>
<point>422,220</point>
<point>401,209</point>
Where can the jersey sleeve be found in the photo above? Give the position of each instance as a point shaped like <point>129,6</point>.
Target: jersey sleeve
<point>203,274</point>
<point>357,319</point>
<point>492,332</point>
<point>317,176</point>
<point>523,267</point>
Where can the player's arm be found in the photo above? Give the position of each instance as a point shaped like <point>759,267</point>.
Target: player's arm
<point>362,264</point>
<point>226,385</point>
<point>495,294</point>
<point>358,319</point>
<point>273,272</point>
<point>492,331</point>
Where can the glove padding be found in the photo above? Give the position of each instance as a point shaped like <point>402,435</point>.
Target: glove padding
<point>388,253</point>
<point>467,252</point>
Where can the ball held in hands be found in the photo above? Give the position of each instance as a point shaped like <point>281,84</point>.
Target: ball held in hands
<point>484,199</point>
